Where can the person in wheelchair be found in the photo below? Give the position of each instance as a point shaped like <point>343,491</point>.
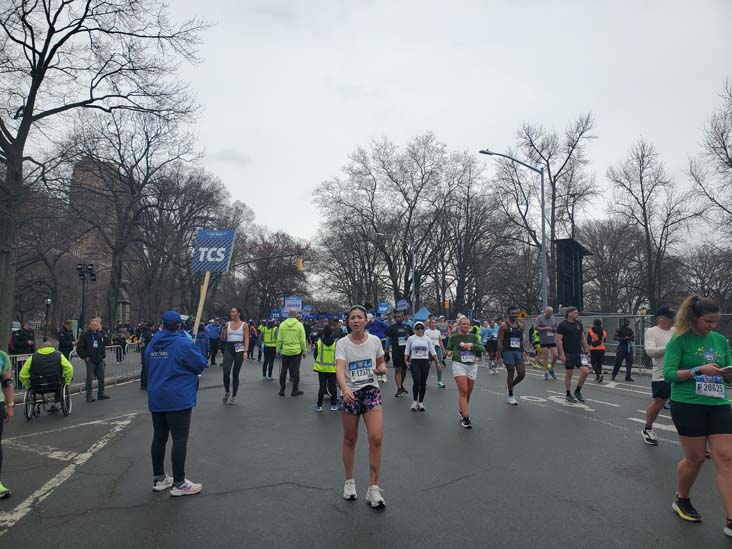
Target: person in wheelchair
<point>47,371</point>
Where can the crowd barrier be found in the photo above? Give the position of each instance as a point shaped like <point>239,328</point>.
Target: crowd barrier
<point>121,363</point>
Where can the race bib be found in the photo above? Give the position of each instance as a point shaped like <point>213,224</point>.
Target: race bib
<point>515,343</point>
<point>420,352</point>
<point>95,344</point>
<point>709,386</point>
<point>583,360</point>
<point>402,341</point>
<point>238,347</point>
<point>361,372</point>
<point>549,334</point>
<point>467,357</point>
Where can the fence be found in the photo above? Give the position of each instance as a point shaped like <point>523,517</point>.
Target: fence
<point>122,363</point>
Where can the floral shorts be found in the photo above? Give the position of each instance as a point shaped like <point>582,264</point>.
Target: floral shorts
<point>366,400</point>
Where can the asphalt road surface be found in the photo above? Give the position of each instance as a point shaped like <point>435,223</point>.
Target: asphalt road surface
<point>542,474</point>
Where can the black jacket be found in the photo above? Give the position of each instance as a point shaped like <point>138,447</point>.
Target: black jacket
<point>66,339</point>
<point>24,342</point>
<point>86,349</point>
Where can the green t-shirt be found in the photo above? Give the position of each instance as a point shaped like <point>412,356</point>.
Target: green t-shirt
<point>5,366</point>
<point>454,345</point>
<point>688,351</point>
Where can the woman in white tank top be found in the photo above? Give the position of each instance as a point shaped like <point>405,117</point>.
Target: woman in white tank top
<point>235,339</point>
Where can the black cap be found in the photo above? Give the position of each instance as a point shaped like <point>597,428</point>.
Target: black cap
<point>666,310</point>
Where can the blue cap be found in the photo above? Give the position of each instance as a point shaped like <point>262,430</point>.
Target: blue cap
<point>171,316</point>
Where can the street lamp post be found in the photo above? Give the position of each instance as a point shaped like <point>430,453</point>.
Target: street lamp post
<point>414,277</point>
<point>540,171</point>
<point>45,326</point>
<point>86,273</point>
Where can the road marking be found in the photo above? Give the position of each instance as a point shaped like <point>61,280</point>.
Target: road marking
<point>661,426</point>
<point>42,450</point>
<point>103,421</point>
<point>605,385</point>
<point>564,402</point>
<point>587,399</point>
<point>11,518</point>
<point>532,398</point>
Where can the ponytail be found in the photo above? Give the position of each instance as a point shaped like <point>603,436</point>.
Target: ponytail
<point>692,308</point>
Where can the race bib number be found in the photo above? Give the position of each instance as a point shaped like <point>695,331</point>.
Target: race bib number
<point>515,343</point>
<point>95,344</point>
<point>710,386</point>
<point>238,347</point>
<point>467,357</point>
<point>549,334</point>
<point>583,360</point>
<point>402,341</point>
<point>420,352</point>
<point>361,372</point>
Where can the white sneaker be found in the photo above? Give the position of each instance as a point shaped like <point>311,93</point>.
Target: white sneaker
<point>226,398</point>
<point>374,497</point>
<point>414,406</point>
<point>162,485</point>
<point>188,488</point>
<point>421,407</point>
<point>512,401</point>
<point>349,489</point>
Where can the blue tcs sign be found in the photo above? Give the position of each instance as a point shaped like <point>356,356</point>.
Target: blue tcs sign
<point>213,251</point>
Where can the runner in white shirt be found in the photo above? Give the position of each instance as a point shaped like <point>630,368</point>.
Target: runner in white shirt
<point>436,336</point>
<point>359,359</point>
<point>420,349</point>
<point>656,340</point>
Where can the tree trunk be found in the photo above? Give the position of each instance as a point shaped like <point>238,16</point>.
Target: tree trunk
<point>8,246</point>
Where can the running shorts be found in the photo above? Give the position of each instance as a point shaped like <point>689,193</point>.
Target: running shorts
<point>468,370</point>
<point>491,346</point>
<point>513,358</point>
<point>574,361</point>
<point>366,399</point>
<point>661,389</point>
<point>701,420</point>
<point>548,345</point>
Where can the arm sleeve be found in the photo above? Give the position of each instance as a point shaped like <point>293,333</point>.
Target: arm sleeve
<point>672,360</point>
<point>651,346</point>
<point>68,370</point>
<point>192,357</point>
<point>303,340</point>
<point>279,341</point>
<point>340,351</point>
<point>25,373</point>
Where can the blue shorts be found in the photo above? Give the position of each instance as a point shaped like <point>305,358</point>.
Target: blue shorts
<point>366,400</point>
<point>513,358</point>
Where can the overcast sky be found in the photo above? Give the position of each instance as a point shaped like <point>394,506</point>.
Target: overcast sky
<point>290,88</point>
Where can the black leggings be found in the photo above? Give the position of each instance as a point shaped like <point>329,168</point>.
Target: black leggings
<point>622,354</point>
<point>178,424</point>
<point>327,382</point>
<point>520,371</point>
<point>269,358</point>
<point>231,359</point>
<point>596,359</point>
<point>420,372</point>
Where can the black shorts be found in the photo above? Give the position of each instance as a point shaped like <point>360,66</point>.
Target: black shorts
<point>574,361</point>
<point>548,345</point>
<point>491,346</point>
<point>701,420</point>
<point>398,360</point>
<point>661,389</point>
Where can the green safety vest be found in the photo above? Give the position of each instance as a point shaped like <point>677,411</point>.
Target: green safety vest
<point>270,337</point>
<point>325,358</point>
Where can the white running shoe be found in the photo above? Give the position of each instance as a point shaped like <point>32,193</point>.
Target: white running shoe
<point>233,401</point>
<point>512,401</point>
<point>374,497</point>
<point>414,406</point>
<point>226,398</point>
<point>162,485</point>
<point>188,488</point>
<point>421,407</point>
<point>349,489</point>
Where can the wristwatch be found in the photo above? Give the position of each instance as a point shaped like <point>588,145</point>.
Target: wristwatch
<point>694,371</point>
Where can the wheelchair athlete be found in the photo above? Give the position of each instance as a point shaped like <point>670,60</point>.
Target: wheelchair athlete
<point>46,361</point>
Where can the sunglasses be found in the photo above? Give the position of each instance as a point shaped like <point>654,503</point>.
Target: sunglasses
<point>419,327</point>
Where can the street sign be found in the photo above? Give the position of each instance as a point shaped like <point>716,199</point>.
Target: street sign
<point>212,252</point>
<point>402,305</point>
<point>293,302</point>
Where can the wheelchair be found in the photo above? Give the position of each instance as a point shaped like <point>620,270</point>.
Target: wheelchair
<point>37,397</point>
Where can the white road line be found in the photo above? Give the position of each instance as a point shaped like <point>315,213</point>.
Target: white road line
<point>661,426</point>
<point>103,421</point>
<point>587,399</point>
<point>43,450</point>
<point>664,416</point>
<point>11,518</point>
<point>606,385</point>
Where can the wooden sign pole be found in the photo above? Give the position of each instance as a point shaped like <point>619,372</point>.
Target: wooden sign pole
<point>201,300</point>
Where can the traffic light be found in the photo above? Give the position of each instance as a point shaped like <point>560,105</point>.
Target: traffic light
<point>299,263</point>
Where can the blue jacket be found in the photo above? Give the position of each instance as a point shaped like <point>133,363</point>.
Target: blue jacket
<point>173,363</point>
<point>213,331</point>
<point>377,328</point>
<point>203,343</point>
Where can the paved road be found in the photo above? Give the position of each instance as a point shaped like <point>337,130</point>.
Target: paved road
<point>543,474</point>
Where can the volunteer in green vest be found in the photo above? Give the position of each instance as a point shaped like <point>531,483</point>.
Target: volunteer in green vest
<point>269,337</point>
<point>6,408</point>
<point>696,364</point>
<point>326,367</point>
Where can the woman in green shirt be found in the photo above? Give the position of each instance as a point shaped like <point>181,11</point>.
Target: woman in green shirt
<point>698,366</point>
<point>463,347</point>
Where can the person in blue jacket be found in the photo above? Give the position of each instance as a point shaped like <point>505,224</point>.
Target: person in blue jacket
<point>378,328</point>
<point>173,364</point>
<point>202,340</point>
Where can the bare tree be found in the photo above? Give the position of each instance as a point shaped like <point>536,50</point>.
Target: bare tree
<point>646,199</point>
<point>59,57</point>
<point>711,172</point>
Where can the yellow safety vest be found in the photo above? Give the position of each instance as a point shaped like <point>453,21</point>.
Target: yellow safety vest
<point>270,337</point>
<point>325,358</point>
